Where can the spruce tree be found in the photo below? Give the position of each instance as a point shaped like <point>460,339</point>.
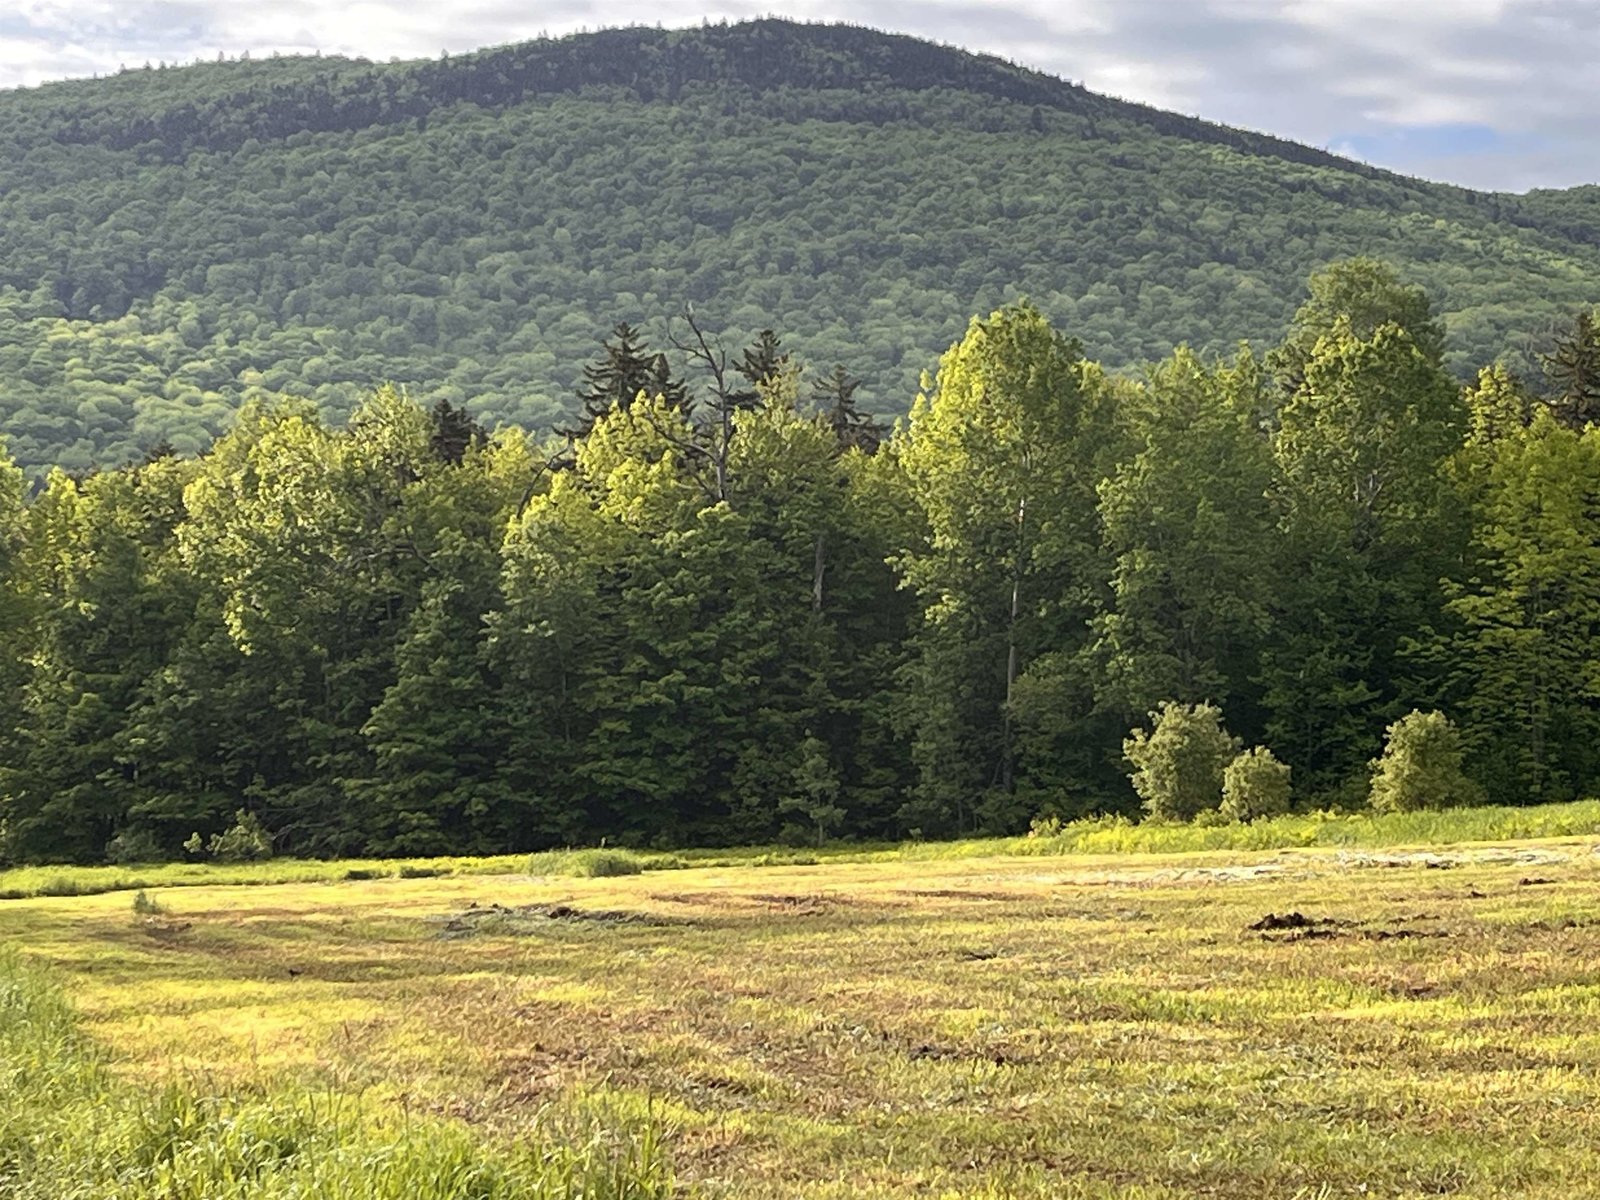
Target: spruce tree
<point>1573,371</point>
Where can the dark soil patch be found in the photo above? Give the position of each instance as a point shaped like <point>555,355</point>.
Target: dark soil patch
<point>1274,922</point>
<point>498,919</point>
<point>1385,935</point>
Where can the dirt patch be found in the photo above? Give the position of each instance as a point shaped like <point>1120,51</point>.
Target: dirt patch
<point>1297,927</point>
<point>960,894</point>
<point>497,919</point>
<point>1273,922</point>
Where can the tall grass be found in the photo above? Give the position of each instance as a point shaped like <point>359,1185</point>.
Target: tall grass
<point>69,1129</point>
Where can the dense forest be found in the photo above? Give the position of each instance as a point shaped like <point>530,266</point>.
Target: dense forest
<point>178,243</point>
<point>725,604</point>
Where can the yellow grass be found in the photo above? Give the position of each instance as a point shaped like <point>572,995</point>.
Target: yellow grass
<point>1003,1026</point>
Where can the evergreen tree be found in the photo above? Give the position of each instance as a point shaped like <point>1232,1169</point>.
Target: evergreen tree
<point>625,369</point>
<point>1572,369</point>
<point>1527,601</point>
<point>834,399</point>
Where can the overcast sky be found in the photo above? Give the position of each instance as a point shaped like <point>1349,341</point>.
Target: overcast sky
<point>1491,93</point>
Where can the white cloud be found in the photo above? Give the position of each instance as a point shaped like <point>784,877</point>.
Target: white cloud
<point>1326,72</point>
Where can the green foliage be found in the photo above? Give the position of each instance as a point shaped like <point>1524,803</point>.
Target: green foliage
<point>1255,785</point>
<point>1421,767</point>
<point>180,243</point>
<point>243,841</point>
<point>1178,763</point>
<point>590,864</point>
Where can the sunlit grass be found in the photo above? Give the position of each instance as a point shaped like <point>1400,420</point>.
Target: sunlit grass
<point>1030,1025</point>
<point>69,1127</point>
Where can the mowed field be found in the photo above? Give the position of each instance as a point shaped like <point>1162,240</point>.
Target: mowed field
<point>1291,1023</point>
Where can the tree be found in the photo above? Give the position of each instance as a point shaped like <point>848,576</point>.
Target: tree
<point>109,604</point>
<point>1421,767</point>
<point>1255,784</point>
<point>1572,369</point>
<point>1526,603</point>
<point>1497,405</point>
<point>834,398</point>
<point>816,790</point>
<point>1001,457</point>
<point>1366,295</point>
<point>1366,536</point>
<point>625,369</point>
<point>1178,762</point>
<point>1189,520</point>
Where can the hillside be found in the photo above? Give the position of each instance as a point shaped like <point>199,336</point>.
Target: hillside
<point>175,241</point>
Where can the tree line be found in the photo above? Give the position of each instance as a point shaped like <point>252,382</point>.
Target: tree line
<point>725,605</point>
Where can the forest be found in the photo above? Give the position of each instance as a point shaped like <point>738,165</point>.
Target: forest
<point>725,605</point>
<point>180,243</point>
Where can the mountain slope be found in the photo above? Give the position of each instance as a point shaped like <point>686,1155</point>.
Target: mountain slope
<point>175,241</point>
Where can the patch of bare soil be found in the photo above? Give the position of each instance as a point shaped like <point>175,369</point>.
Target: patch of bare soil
<point>1297,927</point>
<point>497,919</point>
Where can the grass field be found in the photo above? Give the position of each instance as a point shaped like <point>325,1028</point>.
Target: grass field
<point>1410,1023</point>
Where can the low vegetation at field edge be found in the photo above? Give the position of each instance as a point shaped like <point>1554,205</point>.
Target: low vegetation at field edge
<point>1108,835</point>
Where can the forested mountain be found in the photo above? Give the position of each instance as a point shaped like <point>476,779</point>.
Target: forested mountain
<point>175,242</point>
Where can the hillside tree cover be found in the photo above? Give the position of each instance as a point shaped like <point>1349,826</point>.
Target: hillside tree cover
<point>733,610</point>
<point>177,243</point>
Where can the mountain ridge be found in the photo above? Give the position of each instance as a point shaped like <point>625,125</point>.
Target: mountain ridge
<point>523,70</point>
<point>175,242</point>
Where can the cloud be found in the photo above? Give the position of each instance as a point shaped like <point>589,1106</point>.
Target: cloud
<point>1392,81</point>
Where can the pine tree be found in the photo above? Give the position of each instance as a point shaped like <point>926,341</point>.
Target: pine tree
<point>1573,370</point>
<point>834,398</point>
<point>626,367</point>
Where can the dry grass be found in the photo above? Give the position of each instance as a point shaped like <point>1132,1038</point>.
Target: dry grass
<point>986,1027</point>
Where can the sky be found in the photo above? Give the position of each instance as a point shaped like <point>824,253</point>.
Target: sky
<point>1488,93</point>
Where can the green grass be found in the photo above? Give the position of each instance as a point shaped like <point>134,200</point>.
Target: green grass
<point>70,1128</point>
<point>1016,1025</point>
<point>1101,835</point>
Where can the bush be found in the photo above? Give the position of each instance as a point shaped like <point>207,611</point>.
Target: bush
<point>599,864</point>
<point>134,845</point>
<point>244,841</point>
<point>1178,764</point>
<point>591,864</point>
<point>412,871</point>
<point>1421,767</point>
<point>1255,784</point>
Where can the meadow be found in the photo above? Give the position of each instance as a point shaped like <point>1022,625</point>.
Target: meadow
<point>1366,1016</point>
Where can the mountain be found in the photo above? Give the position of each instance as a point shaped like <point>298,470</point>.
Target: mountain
<point>175,241</point>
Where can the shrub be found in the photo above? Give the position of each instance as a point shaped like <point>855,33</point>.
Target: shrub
<point>592,864</point>
<point>1255,784</point>
<point>412,871</point>
<point>1178,764</point>
<point>134,845</point>
<point>146,905</point>
<point>244,841</point>
<point>1420,767</point>
<point>599,864</point>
